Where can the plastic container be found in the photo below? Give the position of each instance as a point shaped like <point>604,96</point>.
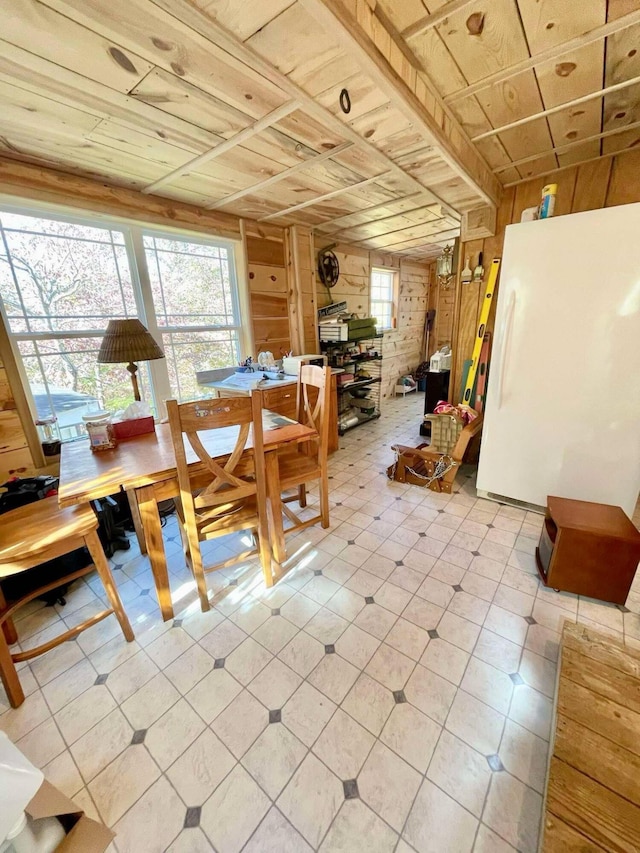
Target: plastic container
<point>548,201</point>
<point>100,431</point>
<point>34,836</point>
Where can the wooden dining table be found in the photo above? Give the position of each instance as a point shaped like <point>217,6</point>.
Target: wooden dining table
<point>145,468</point>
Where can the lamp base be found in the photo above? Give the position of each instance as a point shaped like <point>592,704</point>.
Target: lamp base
<point>133,369</point>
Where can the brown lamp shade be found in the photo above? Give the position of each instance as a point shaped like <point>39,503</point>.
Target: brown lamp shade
<point>127,341</point>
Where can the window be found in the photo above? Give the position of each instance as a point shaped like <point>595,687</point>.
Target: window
<point>383,285</point>
<point>62,280</point>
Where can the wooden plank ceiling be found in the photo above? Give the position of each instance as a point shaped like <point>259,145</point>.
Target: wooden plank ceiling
<point>235,104</point>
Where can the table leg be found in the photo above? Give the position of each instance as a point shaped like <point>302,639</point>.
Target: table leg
<point>275,510</point>
<point>137,521</point>
<point>150,519</point>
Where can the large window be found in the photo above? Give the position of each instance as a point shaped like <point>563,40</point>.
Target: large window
<point>383,287</point>
<point>62,280</point>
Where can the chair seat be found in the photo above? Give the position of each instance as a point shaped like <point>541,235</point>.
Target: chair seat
<point>36,527</point>
<point>296,468</point>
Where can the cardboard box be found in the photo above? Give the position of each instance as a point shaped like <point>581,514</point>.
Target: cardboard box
<point>128,429</point>
<point>84,835</point>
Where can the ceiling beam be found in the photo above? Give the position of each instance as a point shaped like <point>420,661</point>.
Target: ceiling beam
<point>546,172</point>
<point>401,85</point>
<point>323,197</point>
<point>431,239</point>
<point>237,139</point>
<point>547,56</point>
<point>281,176</point>
<point>327,227</point>
<point>215,33</point>
<point>431,21</point>
<point>592,96</point>
<point>384,219</point>
<point>562,149</point>
<point>436,223</point>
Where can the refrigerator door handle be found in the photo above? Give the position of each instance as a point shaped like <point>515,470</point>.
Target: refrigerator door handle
<point>506,337</point>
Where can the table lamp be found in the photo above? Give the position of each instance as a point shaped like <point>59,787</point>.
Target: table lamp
<point>128,341</point>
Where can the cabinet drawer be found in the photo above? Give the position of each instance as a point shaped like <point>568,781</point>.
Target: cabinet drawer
<point>282,400</point>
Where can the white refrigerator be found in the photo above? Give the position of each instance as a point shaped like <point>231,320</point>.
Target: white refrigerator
<point>562,414</point>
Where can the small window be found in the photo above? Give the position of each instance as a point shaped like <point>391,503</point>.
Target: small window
<point>383,291</point>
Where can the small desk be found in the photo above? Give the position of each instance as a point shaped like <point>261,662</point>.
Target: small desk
<point>145,468</point>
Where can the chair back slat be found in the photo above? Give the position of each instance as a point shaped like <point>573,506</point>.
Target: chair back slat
<point>229,481</point>
<point>315,413</point>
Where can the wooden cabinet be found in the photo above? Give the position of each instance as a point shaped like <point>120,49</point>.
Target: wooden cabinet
<point>588,548</point>
<point>281,400</point>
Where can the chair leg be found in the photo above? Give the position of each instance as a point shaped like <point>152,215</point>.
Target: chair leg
<point>302,495</point>
<point>197,567</point>
<point>92,542</point>
<point>324,499</point>
<point>275,509</point>
<point>9,676</point>
<point>8,628</point>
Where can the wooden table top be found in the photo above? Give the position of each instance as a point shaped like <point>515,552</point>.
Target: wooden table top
<point>593,791</point>
<point>148,459</point>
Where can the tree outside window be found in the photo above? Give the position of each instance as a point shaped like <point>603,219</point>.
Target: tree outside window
<point>382,298</point>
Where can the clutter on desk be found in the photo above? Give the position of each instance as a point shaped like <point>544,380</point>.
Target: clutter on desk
<point>99,428</point>
<point>291,363</point>
<point>136,419</point>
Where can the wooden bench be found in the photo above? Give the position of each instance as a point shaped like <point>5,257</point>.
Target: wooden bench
<point>593,787</point>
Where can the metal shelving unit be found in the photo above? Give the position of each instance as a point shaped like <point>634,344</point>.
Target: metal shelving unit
<point>362,354</point>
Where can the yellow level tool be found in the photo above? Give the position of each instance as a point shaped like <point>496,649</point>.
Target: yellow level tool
<point>482,326</point>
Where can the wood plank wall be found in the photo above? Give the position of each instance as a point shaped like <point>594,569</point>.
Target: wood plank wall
<point>268,294</point>
<point>403,346</point>
<point>603,183</point>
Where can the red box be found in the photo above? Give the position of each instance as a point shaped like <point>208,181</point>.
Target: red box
<point>137,426</point>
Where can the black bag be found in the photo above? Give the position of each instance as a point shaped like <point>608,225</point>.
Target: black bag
<point>20,492</point>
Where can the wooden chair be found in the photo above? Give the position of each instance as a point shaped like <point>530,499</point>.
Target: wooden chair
<point>417,465</point>
<point>225,495</point>
<point>307,462</point>
<point>32,535</point>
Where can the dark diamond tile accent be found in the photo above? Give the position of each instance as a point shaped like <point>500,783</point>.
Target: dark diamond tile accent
<point>116,566</point>
<point>177,623</point>
<point>399,563</point>
<point>441,511</point>
<point>338,504</point>
<point>361,487</point>
<point>350,788</point>
<point>368,599</point>
<point>490,526</point>
<point>275,611</point>
<point>376,518</point>
<point>422,533</point>
<point>192,817</point>
<point>101,678</point>
<point>494,763</point>
<point>399,696</point>
<point>351,541</point>
<point>330,649</point>
<point>476,553</point>
<point>144,592</point>
<point>233,582</point>
<point>530,620</point>
<point>317,572</point>
<point>398,499</point>
<point>275,716</point>
<point>516,678</point>
<point>457,587</point>
<point>350,464</point>
<point>139,736</point>
<point>622,608</point>
<point>219,663</point>
<point>433,634</point>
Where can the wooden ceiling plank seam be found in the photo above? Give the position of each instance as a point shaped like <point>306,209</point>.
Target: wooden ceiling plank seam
<point>217,151</point>
<point>410,227</point>
<point>369,210</point>
<point>384,219</point>
<point>454,148</point>
<point>561,149</point>
<point>324,197</point>
<point>435,18</point>
<point>601,93</point>
<point>546,56</point>
<point>221,37</point>
<point>433,239</point>
<point>545,172</point>
<point>299,167</point>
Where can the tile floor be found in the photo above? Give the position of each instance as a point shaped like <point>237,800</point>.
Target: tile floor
<point>392,693</point>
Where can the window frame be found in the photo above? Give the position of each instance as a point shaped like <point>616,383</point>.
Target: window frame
<point>393,302</point>
<point>134,231</point>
